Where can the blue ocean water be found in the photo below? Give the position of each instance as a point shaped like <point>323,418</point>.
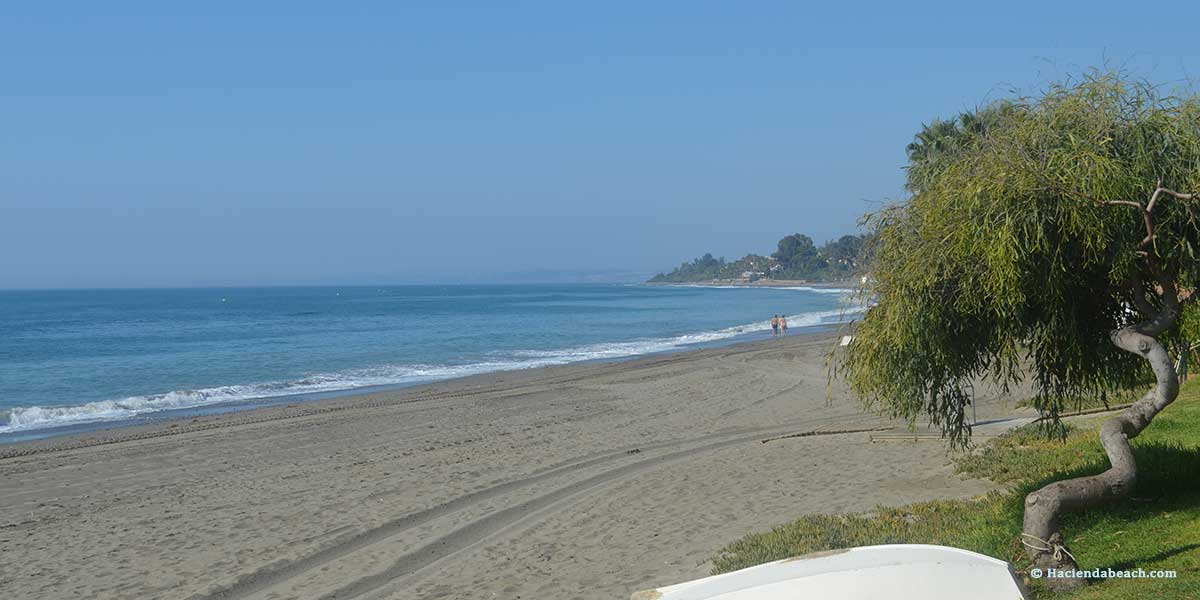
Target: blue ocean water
<point>89,358</point>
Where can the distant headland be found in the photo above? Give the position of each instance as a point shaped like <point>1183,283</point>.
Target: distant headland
<point>796,261</point>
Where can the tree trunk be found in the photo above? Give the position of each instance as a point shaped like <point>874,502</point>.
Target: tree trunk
<point>1044,543</point>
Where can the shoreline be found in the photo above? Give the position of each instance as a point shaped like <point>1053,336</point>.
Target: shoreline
<point>302,405</point>
<point>584,480</point>
<point>69,428</point>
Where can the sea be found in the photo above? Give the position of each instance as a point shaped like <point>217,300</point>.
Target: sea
<point>76,360</point>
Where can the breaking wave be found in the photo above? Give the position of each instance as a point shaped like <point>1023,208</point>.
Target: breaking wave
<point>818,290</point>
<point>39,417</point>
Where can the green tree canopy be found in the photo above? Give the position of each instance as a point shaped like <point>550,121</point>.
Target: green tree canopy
<point>797,253</point>
<point>1017,251</point>
<point>844,252</point>
<point>1054,236</point>
<point>796,257</point>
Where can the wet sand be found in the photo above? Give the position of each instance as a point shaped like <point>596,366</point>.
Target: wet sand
<point>580,481</point>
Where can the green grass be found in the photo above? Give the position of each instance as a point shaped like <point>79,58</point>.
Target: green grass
<point>1156,527</point>
<point>1082,403</point>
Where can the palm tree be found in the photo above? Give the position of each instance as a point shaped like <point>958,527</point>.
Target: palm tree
<point>932,142</point>
<point>939,138</point>
<point>933,139</point>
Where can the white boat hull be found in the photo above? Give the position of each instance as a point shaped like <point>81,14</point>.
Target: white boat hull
<point>905,571</point>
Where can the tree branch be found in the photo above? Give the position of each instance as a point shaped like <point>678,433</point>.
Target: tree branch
<point>1162,190</point>
<point>1147,210</point>
<point>1122,202</point>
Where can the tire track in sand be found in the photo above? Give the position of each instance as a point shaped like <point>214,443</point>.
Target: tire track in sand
<point>271,576</point>
<point>478,530</point>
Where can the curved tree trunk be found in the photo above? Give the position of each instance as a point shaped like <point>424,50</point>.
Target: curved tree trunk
<point>1043,540</point>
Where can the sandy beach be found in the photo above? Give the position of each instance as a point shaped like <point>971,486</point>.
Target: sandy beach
<point>581,481</point>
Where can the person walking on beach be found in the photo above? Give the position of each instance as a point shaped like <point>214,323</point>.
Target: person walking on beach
<point>775,325</point>
<point>783,325</point>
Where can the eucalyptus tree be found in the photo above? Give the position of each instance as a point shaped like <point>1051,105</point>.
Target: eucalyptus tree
<point>1058,243</point>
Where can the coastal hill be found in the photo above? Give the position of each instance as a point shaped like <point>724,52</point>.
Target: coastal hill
<point>796,260</point>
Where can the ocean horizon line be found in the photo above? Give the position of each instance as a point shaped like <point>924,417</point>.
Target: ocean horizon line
<point>284,286</point>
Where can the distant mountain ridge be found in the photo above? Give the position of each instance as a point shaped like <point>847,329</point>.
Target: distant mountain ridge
<point>796,258</point>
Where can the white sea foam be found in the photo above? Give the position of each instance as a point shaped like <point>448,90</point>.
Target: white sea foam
<point>818,290</point>
<point>38,417</point>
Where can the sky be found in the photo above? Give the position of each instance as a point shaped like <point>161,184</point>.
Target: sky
<point>293,143</point>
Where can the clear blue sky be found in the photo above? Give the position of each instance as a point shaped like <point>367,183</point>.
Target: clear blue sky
<point>298,143</point>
